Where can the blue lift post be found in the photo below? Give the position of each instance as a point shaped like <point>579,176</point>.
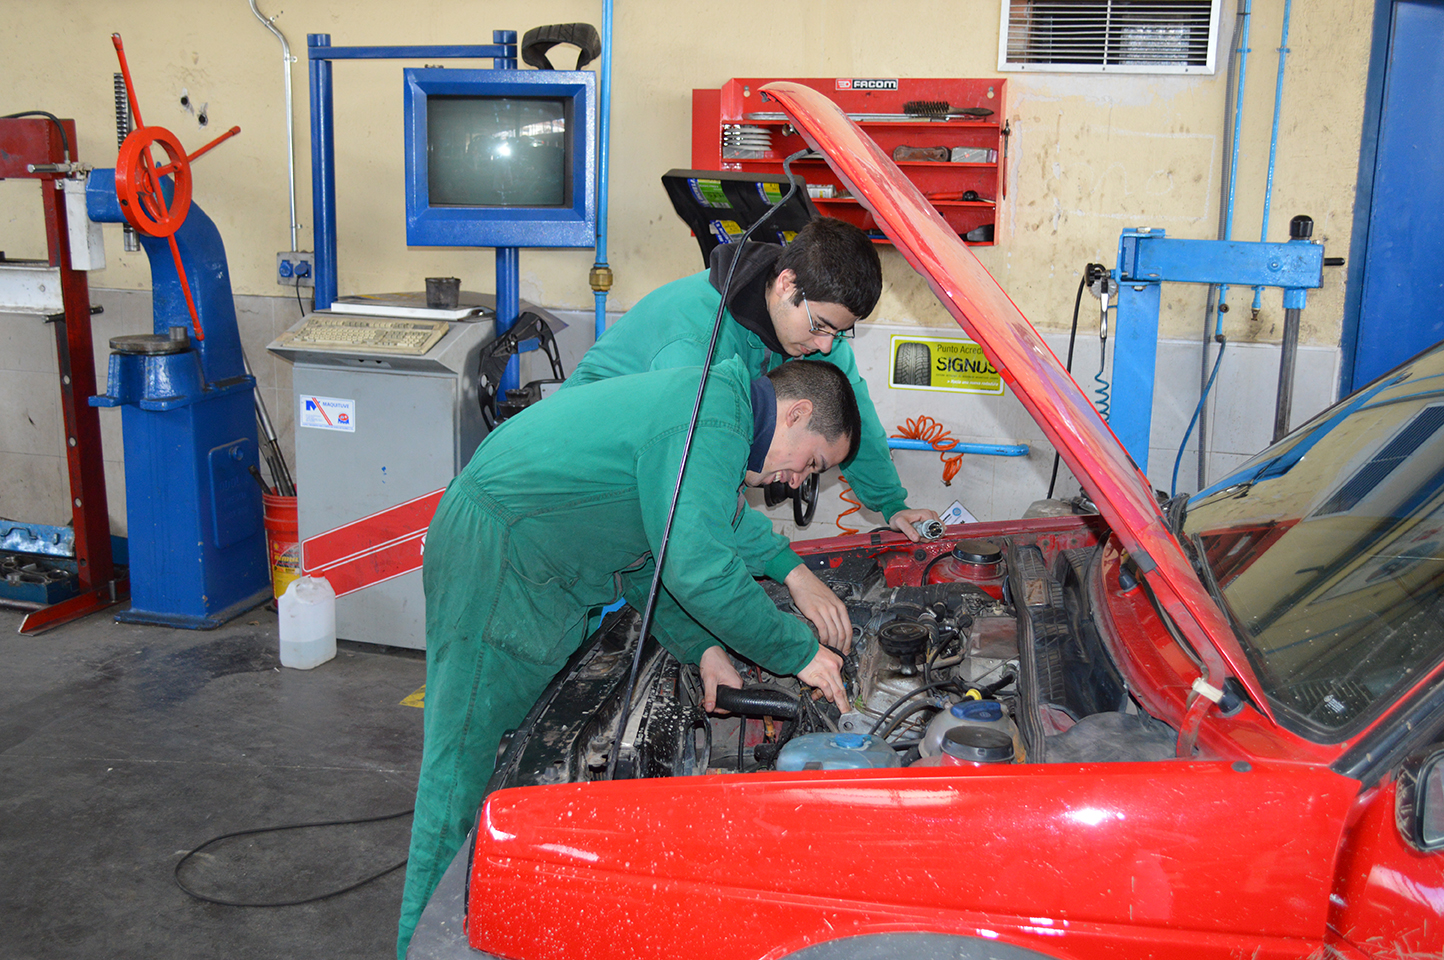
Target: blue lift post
<point>502,52</point>
<point>1147,259</point>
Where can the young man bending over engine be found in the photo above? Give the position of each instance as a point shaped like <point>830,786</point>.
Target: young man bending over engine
<point>562,509</point>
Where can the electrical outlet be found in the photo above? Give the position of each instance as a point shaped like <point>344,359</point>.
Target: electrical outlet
<point>295,268</point>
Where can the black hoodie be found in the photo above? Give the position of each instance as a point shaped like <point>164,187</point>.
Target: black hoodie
<point>748,303</point>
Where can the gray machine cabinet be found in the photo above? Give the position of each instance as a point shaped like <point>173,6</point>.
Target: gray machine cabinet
<point>417,423</point>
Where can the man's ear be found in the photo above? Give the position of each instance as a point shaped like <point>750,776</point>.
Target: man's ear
<point>785,286</point>
<point>798,412</point>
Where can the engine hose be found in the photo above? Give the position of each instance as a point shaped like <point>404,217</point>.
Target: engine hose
<point>903,717</point>
<point>908,696</point>
<point>758,702</point>
<point>931,431</point>
<point>845,494</point>
<point>997,685</point>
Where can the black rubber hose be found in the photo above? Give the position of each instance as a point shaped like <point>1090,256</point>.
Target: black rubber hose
<point>1072,339</point>
<point>758,702</point>
<point>901,718</point>
<point>64,137</point>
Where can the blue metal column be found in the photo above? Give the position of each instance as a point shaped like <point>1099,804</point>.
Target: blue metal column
<point>508,259</point>
<point>1135,353</point>
<point>323,172</point>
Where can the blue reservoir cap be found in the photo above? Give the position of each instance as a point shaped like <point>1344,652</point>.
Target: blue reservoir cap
<point>850,741</point>
<point>980,711</point>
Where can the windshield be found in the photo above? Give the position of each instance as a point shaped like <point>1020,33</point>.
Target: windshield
<point>1328,551</point>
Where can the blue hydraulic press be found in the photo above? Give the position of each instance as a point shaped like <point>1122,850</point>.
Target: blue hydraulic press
<point>193,507</point>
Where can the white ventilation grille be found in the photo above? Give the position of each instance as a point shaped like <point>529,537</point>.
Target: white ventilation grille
<point>1109,36</point>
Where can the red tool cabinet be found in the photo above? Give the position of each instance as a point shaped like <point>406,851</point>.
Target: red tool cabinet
<point>736,128</point>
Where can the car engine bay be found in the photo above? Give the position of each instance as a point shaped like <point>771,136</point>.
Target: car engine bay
<point>949,639</point>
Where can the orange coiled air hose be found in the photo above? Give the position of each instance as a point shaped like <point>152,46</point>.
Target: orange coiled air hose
<point>931,431</point>
<point>845,494</point>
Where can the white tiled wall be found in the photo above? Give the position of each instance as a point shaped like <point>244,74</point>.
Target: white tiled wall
<point>32,462</point>
<point>33,484</point>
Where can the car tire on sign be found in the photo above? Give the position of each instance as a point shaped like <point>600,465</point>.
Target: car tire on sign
<point>913,365</point>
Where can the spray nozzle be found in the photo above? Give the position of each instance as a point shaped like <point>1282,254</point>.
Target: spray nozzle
<point>1102,285</point>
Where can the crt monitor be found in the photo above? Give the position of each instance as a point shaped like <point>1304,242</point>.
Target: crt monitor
<point>500,158</point>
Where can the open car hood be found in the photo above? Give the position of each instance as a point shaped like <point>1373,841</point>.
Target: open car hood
<point>964,286</point>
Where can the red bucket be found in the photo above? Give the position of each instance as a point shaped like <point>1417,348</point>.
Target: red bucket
<point>282,541</point>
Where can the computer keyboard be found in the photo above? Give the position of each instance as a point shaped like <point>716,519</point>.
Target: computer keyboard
<point>412,338</point>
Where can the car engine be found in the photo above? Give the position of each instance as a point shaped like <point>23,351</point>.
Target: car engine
<point>974,634</point>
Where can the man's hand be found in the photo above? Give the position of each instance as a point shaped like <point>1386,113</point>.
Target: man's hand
<point>825,673</point>
<point>717,671</point>
<point>903,521</point>
<point>818,603</point>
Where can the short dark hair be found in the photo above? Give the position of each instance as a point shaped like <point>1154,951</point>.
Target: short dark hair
<point>834,405</point>
<point>834,262</point>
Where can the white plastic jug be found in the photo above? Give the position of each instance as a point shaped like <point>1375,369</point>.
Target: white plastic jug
<point>308,623</point>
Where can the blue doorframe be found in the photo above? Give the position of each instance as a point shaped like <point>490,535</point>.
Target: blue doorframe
<point>1393,308</point>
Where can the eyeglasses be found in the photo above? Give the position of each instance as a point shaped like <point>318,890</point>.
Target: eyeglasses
<point>822,326</point>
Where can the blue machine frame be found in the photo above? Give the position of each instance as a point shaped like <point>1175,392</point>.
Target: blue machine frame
<point>1146,260</point>
<point>197,543</point>
<point>571,225</point>
<point>502,52</point>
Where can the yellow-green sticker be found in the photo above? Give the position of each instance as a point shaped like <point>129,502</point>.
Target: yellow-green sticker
<point>709,193</point>
<point>726,231</point>
<point>417,699</point>
<point>952,364</point>
<point>771,192</point>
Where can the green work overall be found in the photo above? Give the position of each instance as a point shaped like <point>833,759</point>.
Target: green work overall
<point>559,511</point>
<point>671,327</point>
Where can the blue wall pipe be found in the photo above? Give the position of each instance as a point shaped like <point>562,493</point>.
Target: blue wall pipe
<point>1245,13</point>
<point>604,129</point>
<point>981,449</point>
<point>1274,138</point>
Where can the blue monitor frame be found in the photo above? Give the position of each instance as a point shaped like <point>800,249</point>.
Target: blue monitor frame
<point>552,226</point>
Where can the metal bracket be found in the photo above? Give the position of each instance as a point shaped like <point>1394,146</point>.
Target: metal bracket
<point>1148,258</point>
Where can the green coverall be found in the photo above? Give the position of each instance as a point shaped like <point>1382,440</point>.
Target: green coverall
<point>671,327</point>
<point>562,508</point>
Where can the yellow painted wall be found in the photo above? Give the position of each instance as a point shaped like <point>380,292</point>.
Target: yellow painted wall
<point>1090,156</point>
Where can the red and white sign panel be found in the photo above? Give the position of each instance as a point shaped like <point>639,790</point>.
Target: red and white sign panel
<point>380,547</point>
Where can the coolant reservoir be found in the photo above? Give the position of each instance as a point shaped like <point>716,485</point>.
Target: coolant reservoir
<point>836,751</point>
<point>969,713</point>
<point>976,746</point>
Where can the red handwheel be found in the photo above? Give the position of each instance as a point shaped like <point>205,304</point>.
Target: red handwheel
<point>138,182</point>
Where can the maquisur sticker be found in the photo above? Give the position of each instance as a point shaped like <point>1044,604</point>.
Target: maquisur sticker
<point>327,413</point>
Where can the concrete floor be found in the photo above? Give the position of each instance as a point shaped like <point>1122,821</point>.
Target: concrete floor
<point>123,746</point>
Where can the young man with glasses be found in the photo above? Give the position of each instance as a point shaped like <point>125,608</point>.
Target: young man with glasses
<point>801,300</point>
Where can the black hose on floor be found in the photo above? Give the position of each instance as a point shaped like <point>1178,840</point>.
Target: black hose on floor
<point>289,826</point>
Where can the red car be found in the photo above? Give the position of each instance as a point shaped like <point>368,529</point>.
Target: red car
<point>1207,728</point>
